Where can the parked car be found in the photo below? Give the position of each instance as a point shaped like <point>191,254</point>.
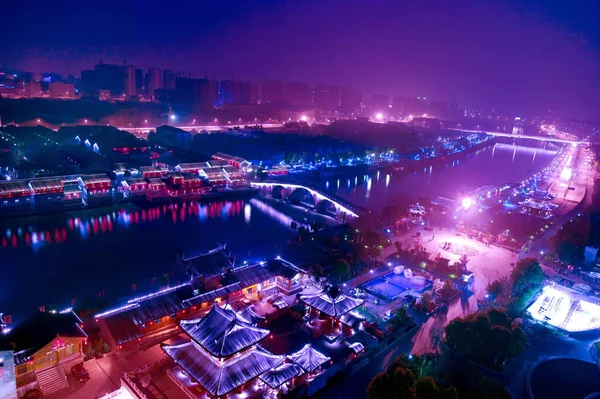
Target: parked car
<point>80,373</point>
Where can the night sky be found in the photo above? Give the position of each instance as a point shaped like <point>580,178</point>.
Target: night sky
<point>517,56</point>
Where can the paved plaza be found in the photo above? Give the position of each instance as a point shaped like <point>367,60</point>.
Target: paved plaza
<point>488,263</point>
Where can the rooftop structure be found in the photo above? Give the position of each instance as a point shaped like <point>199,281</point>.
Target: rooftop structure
<point>222,333</point>
<point>279,375</point>
<point>309,359</point>
<point>211,263</point>
<point>128,322</point>
<point>46,186</point>
<point>16,188</point>
<point>41,329</point>
<point>219,378</point>
<point>331,301</point>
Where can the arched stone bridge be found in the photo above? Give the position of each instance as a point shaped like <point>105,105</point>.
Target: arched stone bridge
<point>321,201</point>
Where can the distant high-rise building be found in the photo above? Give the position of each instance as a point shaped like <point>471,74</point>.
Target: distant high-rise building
<point>139,82</point>
<point>104,77</point>
<point>297,93</point>
<point>350,100</point>
<point>154,82</point>
<point>272,91</point>
<point>229,92</point>
<point>381,101</point>
<point>168,79</point>
<point>129,80</point>
<point>61,90</point>
<point>245,93</point>
<point>254,93</point>
<point>326,97</point>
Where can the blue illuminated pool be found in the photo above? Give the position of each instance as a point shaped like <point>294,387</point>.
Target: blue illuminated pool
<point>383,289</point>
<point>406,283</point>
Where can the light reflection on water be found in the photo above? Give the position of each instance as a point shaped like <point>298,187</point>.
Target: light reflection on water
<point>499,164</point>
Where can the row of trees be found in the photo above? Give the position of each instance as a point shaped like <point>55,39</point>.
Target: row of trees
<point>433,377</point>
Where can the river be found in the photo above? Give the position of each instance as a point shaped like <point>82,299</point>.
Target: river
<point>496,164</point>
<point>57,258</point>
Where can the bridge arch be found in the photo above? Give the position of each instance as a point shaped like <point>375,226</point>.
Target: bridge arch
<point>278,192</point>
<point>301,195</point>
<point>327,207</point>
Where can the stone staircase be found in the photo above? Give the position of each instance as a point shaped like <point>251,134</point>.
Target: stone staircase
<point>52,379</point>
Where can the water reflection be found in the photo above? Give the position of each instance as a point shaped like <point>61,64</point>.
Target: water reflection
<point>89,226</point>
<point>494,165</point>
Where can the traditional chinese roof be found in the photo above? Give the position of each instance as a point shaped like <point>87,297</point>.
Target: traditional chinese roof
<point>215,173</point>
<point>46,184</point>
<point>252,275</point>
<point>156,181</point>
<point>150,168</point>
<point>221,378</point>
<point>284,268</point>
<point>222,333</point>
<point>123,325</point>
<point>250,316</point>
<point>14,188</point>
<point>213,294</point>
<point>217,162</point>
<point>308,358</point>
<point>211,263</point>
<point>39,330</point>
<point>352,319</point>
<point>191,167</point>
<point>275,377</point>
<point>95,179</point>
<point>331,301</point>
<point>135,181</point>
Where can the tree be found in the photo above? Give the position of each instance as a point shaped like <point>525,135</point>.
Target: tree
<point>527,278</point>
<point>569,242</point>
<point>340,270</point>
<point>527,274</point>
<point>499,292</point>
<point>380,387</point>
<point>489,336</point>
<point>400,381</point>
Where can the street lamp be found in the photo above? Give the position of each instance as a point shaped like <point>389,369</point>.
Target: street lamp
<point>379,116</point>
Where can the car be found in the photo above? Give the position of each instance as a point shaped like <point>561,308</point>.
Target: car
<point>80,373</point>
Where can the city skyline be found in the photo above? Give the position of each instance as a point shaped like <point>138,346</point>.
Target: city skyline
<point>433,50</point>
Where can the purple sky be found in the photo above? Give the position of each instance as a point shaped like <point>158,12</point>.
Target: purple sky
<point>519,56</point>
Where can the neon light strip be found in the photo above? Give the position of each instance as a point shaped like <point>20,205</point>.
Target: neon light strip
<point>152,295</point>
<point>311,191</point>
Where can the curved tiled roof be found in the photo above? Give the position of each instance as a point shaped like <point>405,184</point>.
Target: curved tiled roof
<point>222,333</point>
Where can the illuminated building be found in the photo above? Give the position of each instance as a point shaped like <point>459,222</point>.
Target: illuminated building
<point>46,346</point>
<point>333,304</point>
<point>96,189</point>
<point>15,194</point>
<point>213,278</point>
<point>8,384</point>
<point>224,356</point>
<point>61,90</point>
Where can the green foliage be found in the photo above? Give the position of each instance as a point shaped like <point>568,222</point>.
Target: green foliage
<point>340,270</point>
<point>490,337</point>
<point>410,378</point>
<point>469,381</point>
<point>527,278</point>
<point>569,242</point>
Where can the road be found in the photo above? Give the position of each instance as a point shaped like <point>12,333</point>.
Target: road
<point>353,386</point>
<point>571,201</point>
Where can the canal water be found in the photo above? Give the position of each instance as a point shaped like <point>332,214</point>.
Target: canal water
<point>55,259</point>
<point>493,165</point>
